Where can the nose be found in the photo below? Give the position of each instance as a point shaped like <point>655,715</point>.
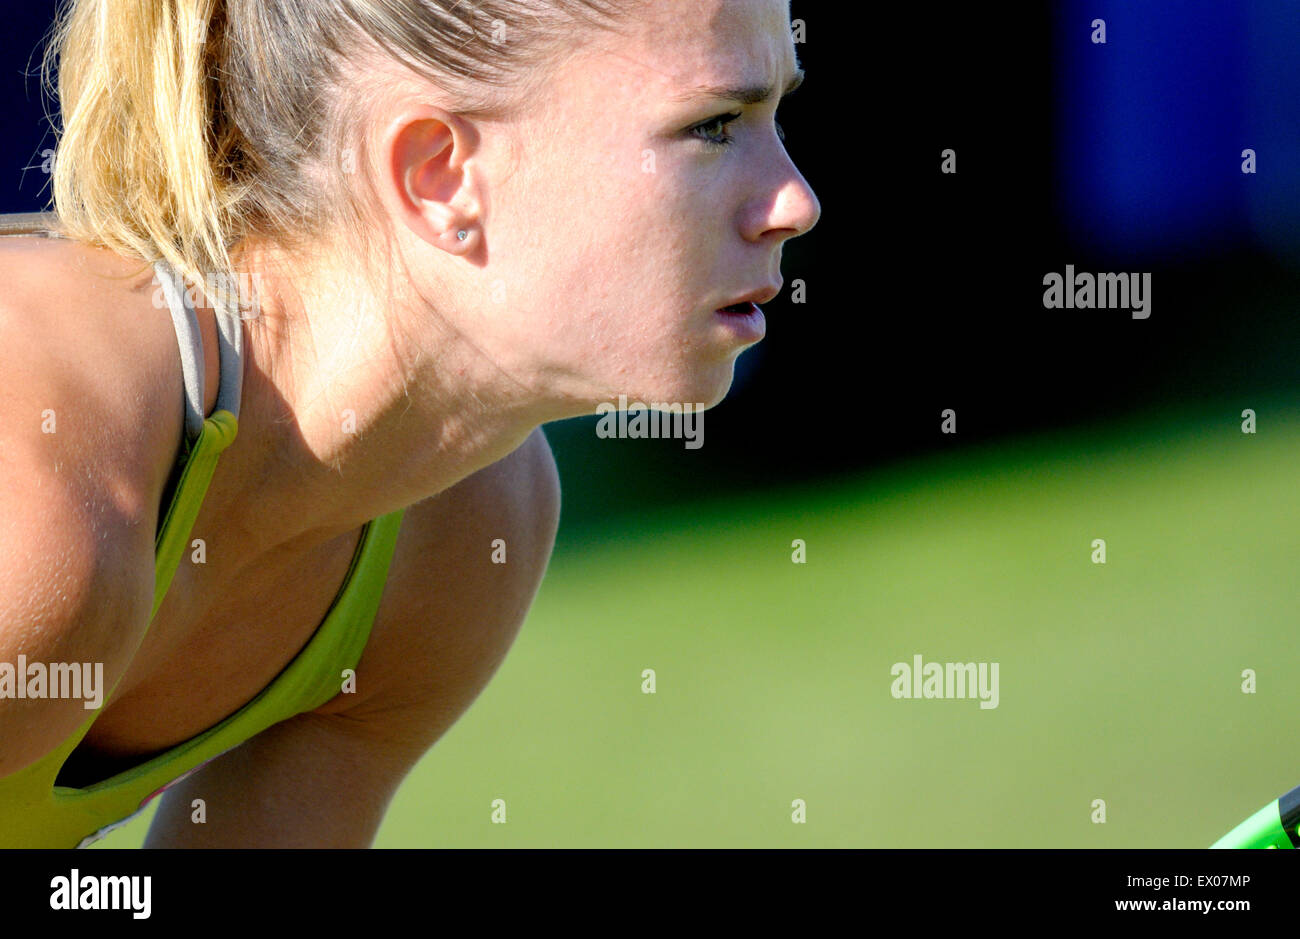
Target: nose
<point>790,210</point>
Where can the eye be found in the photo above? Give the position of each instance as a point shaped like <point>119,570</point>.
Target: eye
<point>713,131</point>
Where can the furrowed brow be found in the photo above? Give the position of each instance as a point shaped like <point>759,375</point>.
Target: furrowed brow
<point>751,94</point>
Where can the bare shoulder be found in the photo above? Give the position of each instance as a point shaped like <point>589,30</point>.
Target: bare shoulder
<point>86,355</point>
<point>467,565</point>
<point>80,458</point>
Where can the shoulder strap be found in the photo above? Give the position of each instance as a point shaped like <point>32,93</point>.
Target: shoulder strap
<point>190,340</point>
<point>230,344</point>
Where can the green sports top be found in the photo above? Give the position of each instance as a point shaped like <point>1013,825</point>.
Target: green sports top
<point>37,813</point>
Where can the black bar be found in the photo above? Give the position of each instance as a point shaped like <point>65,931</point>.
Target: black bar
<point>633,890</point>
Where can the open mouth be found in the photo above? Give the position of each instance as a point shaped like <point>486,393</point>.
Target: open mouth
<point>741,308</point>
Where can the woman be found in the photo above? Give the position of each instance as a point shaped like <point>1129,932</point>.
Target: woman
<point>284,548</point>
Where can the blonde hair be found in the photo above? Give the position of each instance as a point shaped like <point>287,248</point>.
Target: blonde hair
<point>189,126</point>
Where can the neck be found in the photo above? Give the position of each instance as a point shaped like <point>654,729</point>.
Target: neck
<point>344,418</point>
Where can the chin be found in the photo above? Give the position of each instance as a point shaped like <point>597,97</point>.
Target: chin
<point>701,385</point>
<point>718,393</point>
<point>714,393</point>
<point>702,391</point>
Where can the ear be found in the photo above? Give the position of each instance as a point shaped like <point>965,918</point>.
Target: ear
<point>425,178</point>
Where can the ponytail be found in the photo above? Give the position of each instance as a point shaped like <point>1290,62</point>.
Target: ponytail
<point>146,163</point>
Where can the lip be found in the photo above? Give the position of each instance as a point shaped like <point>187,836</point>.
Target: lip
<point>758,296</point>
<point>746,327</point>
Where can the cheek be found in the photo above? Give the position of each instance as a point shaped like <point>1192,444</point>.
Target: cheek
<point>608,239</point>
<point>658,228</point>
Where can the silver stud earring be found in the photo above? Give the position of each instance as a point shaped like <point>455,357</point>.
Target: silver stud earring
<point>462,235</point>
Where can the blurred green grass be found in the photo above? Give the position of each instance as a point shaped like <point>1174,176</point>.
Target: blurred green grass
<point>1119,681</point>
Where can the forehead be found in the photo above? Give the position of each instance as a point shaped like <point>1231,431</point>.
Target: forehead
<point>676,45</point>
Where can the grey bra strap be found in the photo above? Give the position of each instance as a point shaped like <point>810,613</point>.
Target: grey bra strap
<point>230,345</point>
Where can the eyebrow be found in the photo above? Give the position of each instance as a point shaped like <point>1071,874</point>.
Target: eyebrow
<point>751,94</point>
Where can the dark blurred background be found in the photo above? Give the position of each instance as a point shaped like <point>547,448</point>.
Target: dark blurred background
<point>924,290</point>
